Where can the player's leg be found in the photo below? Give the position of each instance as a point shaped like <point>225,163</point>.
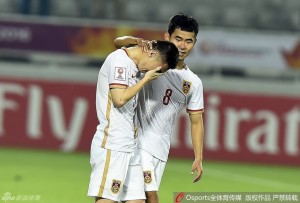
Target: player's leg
<point>133,188</point>
<point>151,197</point>
<point>153,169</point>
<point>109,169</point>
<point>151,186</point>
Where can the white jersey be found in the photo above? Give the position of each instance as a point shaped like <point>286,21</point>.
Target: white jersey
<point>159,104</point>
<point>116,127</point>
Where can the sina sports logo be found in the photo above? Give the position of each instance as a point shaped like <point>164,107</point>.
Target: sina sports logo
<point>115,186</point>
<point>186,86</point>
<point>179,197</point>
<point>147,177</point>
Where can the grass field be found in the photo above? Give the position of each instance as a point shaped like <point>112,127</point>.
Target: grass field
<point>63,177</point>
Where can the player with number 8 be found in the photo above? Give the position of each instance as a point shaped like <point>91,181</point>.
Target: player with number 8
<point>161,101</point>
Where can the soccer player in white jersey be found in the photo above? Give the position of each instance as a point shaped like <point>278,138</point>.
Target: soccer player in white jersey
<point>161,100</point>
<point>116,171</point>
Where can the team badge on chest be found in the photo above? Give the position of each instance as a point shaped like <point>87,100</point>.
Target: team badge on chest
<point>147,177</point>
<point>115,186</point>
<point>186,86</point>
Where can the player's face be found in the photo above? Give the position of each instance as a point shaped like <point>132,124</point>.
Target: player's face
<point>150,62</point>
<point>184,41</point>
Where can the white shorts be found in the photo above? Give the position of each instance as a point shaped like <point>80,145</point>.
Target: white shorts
<point>115,175</point>
<point>153,170</point>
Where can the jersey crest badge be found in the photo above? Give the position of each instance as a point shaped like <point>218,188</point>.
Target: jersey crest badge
<point>186,86</point>
<point>120,73</point>
<point>147,177</point>
<point>115,186</point>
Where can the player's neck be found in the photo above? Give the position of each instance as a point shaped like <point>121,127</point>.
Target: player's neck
<point>180,65</point>
<point>134,53</point>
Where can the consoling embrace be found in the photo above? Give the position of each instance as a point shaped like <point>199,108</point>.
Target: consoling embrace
<point>141,88</point>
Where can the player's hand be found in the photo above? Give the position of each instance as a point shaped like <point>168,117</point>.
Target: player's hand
<point>145,45</point>
<point>197,167</point>
<point>153,74</point>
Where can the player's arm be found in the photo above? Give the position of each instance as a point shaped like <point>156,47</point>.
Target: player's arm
<point>128,41</point>
<point>197,134</point>
<point>120,94</point>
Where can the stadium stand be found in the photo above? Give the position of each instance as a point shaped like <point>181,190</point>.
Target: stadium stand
<point>255,14</point>
<point>267,15</point>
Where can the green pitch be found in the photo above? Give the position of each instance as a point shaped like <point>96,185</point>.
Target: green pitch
<point>63,177</point>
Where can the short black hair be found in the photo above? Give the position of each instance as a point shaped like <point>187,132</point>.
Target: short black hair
<point>184,23</point>
<point>168,51</point>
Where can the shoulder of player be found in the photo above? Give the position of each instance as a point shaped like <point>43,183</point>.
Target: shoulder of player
<point>192,76</point>
<point>119,53</point>
<point>191,72</point>
<point>120,58</point>
<point>196,82</point>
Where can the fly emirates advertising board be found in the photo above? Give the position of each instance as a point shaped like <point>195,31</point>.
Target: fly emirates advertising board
<point>60,115</point>
<point>246,50</point>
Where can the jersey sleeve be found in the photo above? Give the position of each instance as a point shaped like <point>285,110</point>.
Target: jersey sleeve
<point>196,101</point>
<point>118,70</point>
